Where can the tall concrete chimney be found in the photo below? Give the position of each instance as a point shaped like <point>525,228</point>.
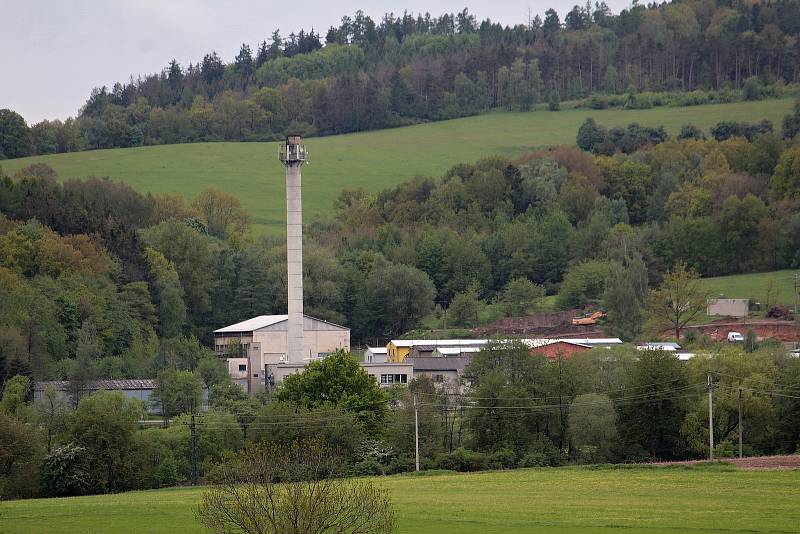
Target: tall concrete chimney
<point>292,154</point>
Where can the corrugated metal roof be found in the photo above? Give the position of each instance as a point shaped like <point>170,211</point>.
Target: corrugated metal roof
<point>536,343</point>
<point>658,345</point>
<point>454,351</point>
<point>378,350</point>
<point>263,321</point>
<point>438,342</point>
<point>434,363</point>
<point>253,324</point>
<point>97,385</point>
<point>479,342</point>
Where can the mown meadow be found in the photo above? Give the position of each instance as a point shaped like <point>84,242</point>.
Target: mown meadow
<point>371,160</point>
<point>565,500</point>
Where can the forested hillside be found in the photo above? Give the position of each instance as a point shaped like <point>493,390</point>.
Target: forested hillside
<point>403,69</point>
<point>94,272</point>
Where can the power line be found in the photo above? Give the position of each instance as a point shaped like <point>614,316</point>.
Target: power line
<point>607,392</point>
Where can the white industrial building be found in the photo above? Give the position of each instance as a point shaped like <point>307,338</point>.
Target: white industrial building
<point>251,345</point>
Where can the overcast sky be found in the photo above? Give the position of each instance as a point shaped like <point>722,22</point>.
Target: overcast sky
<point>53,52</point>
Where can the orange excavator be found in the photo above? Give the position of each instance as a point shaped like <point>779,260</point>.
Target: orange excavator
<point>588,319</point>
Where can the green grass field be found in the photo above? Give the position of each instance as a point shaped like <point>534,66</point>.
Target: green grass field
<point>780,285</point>
<point>371,160</point>
<point>566,500</point>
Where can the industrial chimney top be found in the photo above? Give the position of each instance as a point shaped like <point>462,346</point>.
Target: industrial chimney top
<point>292,151</point>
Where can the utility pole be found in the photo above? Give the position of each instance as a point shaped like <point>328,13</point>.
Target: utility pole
<point>796,283</point>
<point>710,418</point>
<point>416,431</point>
<point>740,421</point>
<point>193,427</point>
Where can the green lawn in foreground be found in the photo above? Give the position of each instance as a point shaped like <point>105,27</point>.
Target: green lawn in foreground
<point>371,160</point>
<point>754,286</point>
<point>636,500</point>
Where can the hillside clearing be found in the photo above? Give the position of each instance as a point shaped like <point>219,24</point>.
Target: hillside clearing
<point>771,288</point>
<point>370,160</point>
<point>630,500</point>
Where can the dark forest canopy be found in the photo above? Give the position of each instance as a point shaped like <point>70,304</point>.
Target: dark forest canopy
<point>365,74</point>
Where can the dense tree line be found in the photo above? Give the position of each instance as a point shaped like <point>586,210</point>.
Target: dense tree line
<point>404,69</point>
<point>98,279</point>
<point>514,409</point>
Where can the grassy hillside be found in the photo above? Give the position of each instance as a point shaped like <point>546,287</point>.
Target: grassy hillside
<point>755,286</point>
<point>565,500</point>
<point>371,160</point>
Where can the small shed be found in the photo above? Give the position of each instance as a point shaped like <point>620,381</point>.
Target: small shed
<point>376,354</point>
<point>729,307</point>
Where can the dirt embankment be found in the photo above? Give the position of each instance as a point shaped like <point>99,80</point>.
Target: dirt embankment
<point>786,331</point>
<point>542,325</point>
<point>755,462</point>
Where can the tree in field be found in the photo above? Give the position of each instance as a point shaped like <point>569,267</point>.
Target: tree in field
<point>786,180</point>
<point>624,298</point>
<point>20,453</point>
<point>678,300</point>
<point>652,428</point>
<point>791,123</point>
<point>15,136</point>
<point>504,375</point>
<point>464,308</point>
<point>212,370</point>
<point>593,427</point>
<point>65,472</point>
<point>222,213</point>
<point>554,101</point>
<point>591,135</point>
<point>171,307</point>
<point>337,381</point>
<point>177,392</point>
<point>733,367</point>
<point>15,394</point>
<point>394,297</point>
<point>104,424</point>
<point>296,489</point>
<point>53,413</point>
<point>520,297</point>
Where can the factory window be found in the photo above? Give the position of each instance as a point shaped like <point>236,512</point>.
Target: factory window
<point>394,379</point>
<point>242,367</point>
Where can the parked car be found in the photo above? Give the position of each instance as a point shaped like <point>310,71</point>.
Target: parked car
<point>735,337</point>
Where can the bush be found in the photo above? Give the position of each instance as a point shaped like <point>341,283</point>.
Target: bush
<point>726,129</point>
<point>64,472</point>
<point>367,468</point>
<point>167,473</point>
<point>503,459</point>
<point>463,460</point>
<point>401,464</point>
<point>542,453</point>
<point>690,131</point>
<point>554,102</point>
<point>598,102</point>
<point>752,89</point>
<point>639,102</point>
<point>725,449</point>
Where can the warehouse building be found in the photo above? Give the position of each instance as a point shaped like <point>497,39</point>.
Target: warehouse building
<point>250,345</point>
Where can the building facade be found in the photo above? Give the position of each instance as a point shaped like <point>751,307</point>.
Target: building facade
<point>385,374</point>
<point>251,345</point>
<point>728,307</point>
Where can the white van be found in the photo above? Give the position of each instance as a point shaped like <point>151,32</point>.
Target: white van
<point>735,337</point>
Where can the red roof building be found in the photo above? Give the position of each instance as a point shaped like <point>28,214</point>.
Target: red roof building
<point>558,347</point>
